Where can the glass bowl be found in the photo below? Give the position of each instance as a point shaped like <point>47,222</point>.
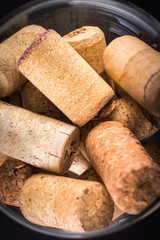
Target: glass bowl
<point>115,18</point>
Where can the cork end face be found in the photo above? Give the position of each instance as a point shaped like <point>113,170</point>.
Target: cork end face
<point>70,150</point>
<point>96,209</point>
<point>143,188</point>
<point>32,46</point>
<point>13,174</point>
<point>91,34</point>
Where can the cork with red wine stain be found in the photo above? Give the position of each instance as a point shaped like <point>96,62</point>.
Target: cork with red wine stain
<point>64,77</point>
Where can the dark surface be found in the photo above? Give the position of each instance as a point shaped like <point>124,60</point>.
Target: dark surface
<point>147,228</point>
<point>153,7</point>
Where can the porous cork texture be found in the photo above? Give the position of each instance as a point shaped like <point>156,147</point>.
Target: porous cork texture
<point>35,101</point>
<point>91,175</point>
<point>129,173</point>
<point>133,116</point>
<point>38,140</point>
<point>10,51</point>
<point>102,116</point>
<point>72,204</point>
<point>64,77</point>
<point>13,174</point>
<point>90,43</point>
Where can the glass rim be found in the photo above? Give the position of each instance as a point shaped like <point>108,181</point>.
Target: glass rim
<point>56,232</point>
<point>119,7</point>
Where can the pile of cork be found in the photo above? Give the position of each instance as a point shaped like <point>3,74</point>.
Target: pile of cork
<point>75,116</point>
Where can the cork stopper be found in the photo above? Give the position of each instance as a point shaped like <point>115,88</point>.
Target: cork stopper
<point>33,45</point>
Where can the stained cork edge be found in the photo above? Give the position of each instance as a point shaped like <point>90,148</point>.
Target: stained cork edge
<point>33,45</point>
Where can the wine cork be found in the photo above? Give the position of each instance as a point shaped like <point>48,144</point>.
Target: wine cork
<point>79,164</point>
<point>129,173</point>
<point>35,139</point>
<point>91,175</point>
<point>133,116</point>
<point>90,43</point>
<point>36,101</point>
<point>66,203</point>
<point>102,116</point>
<point>135,66</point>
<point>13,174</point>
<point>62,75</point>
<point>10,51</point>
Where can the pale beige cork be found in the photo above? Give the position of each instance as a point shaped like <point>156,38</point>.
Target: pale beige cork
<point>135,66</point>
<point>64,77</point>
<point>80,164</point>
<point>90,43</point>
<point>129,173</point>
<point>119,52</point>
<point>66,203</point>
<point>10,51</point>
<point>35,139</point>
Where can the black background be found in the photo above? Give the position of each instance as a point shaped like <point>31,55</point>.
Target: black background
<point>149,228</point>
